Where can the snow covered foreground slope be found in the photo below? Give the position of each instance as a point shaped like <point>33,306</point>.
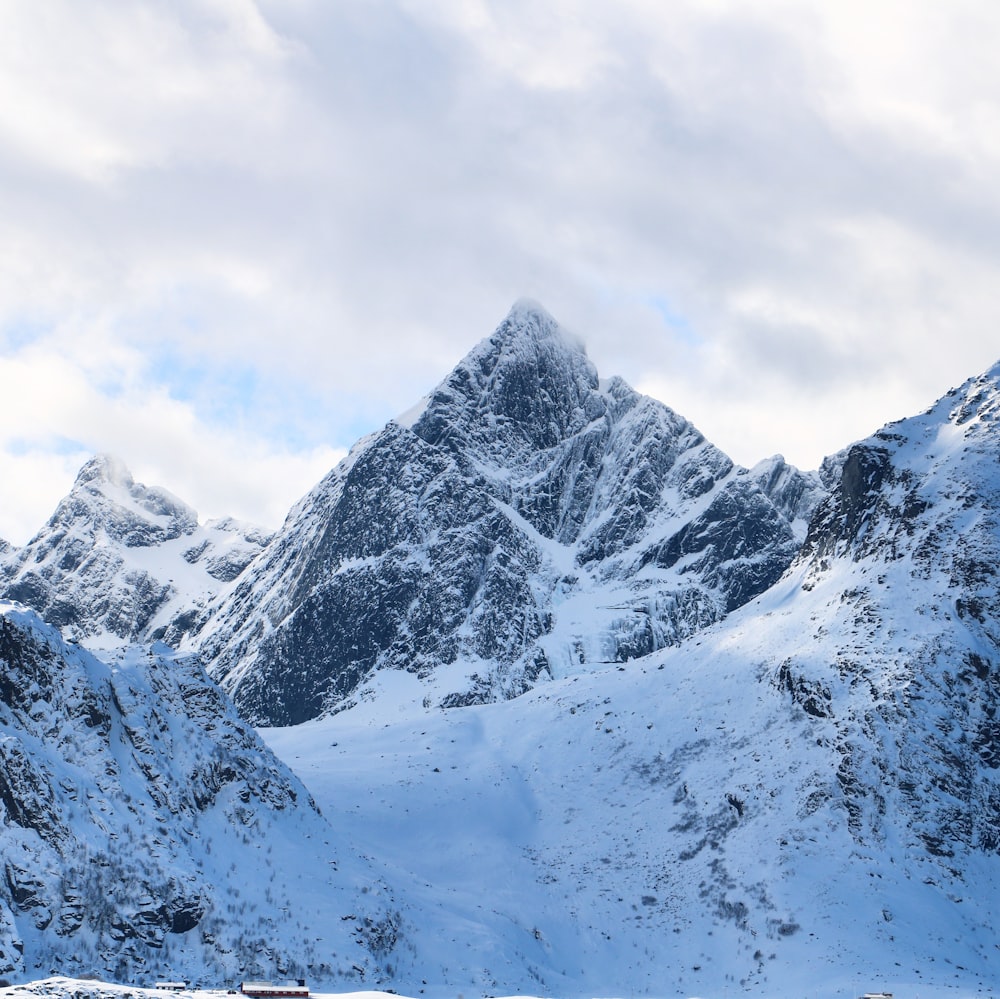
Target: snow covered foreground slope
<point>525,521</point>
<point>145,829</point>
<point>804,799</point>
<point>69,988</point>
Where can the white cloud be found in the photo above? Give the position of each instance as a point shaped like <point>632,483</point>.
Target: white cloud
<point>92,91</point>
<point>63,407</point>
<point>258,229</point>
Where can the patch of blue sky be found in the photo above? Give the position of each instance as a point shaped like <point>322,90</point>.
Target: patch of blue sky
<point>272,405</point>
<point>215,389</point>
<point>21,332</point>
<point>358,421</point>
<point>19,447</point>
<point>673,317</point>
<point>301,419</point>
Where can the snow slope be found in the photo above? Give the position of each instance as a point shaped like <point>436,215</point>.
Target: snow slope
<point>673,827</point>
<point>801,797</point>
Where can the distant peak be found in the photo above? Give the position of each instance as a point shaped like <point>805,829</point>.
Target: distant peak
<point>105,468</point>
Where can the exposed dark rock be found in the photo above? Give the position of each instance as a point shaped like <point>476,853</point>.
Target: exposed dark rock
<point>916,700</point>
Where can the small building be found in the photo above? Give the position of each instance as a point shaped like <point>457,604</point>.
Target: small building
<point>268,990</point>
<point>171,986</point>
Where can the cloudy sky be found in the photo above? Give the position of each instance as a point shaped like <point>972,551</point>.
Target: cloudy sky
<point>237,235</point>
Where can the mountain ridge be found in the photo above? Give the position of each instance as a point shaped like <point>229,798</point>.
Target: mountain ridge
<point>802,798</point>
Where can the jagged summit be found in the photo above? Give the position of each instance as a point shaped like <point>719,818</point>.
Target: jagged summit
<point>106,496</point>
<point>975,405</point>
<point>530,320</point>
<point>529,309</point>
<point>910,469</point>
<point>527,386</point>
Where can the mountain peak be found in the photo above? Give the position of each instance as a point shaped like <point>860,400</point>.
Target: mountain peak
<point>525,387</point>
<point>108,483</point>
<point>530,319</point>
<point>529,366</point>
<point>530,307</point>
<point>90,567</point>
<point>524,519</point>
<point>106,468</point>
<point>975,405</point>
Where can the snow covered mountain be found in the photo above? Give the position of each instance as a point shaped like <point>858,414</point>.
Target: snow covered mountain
<point>525,520</point>
<point>145,828</point>
<point>802,799</point>
<point>122,561</point>
<point>766,758</point>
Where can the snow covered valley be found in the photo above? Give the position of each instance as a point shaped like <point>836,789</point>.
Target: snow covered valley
<point>661,829</point>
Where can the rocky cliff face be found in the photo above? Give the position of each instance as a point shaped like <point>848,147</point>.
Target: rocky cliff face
<point>525,520</point>
<point>122,561</point>
<point>143,825</point>
<point>902,558</point>
<point>807,791</point>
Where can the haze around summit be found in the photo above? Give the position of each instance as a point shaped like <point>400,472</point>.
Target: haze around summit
<point>237,236</point>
